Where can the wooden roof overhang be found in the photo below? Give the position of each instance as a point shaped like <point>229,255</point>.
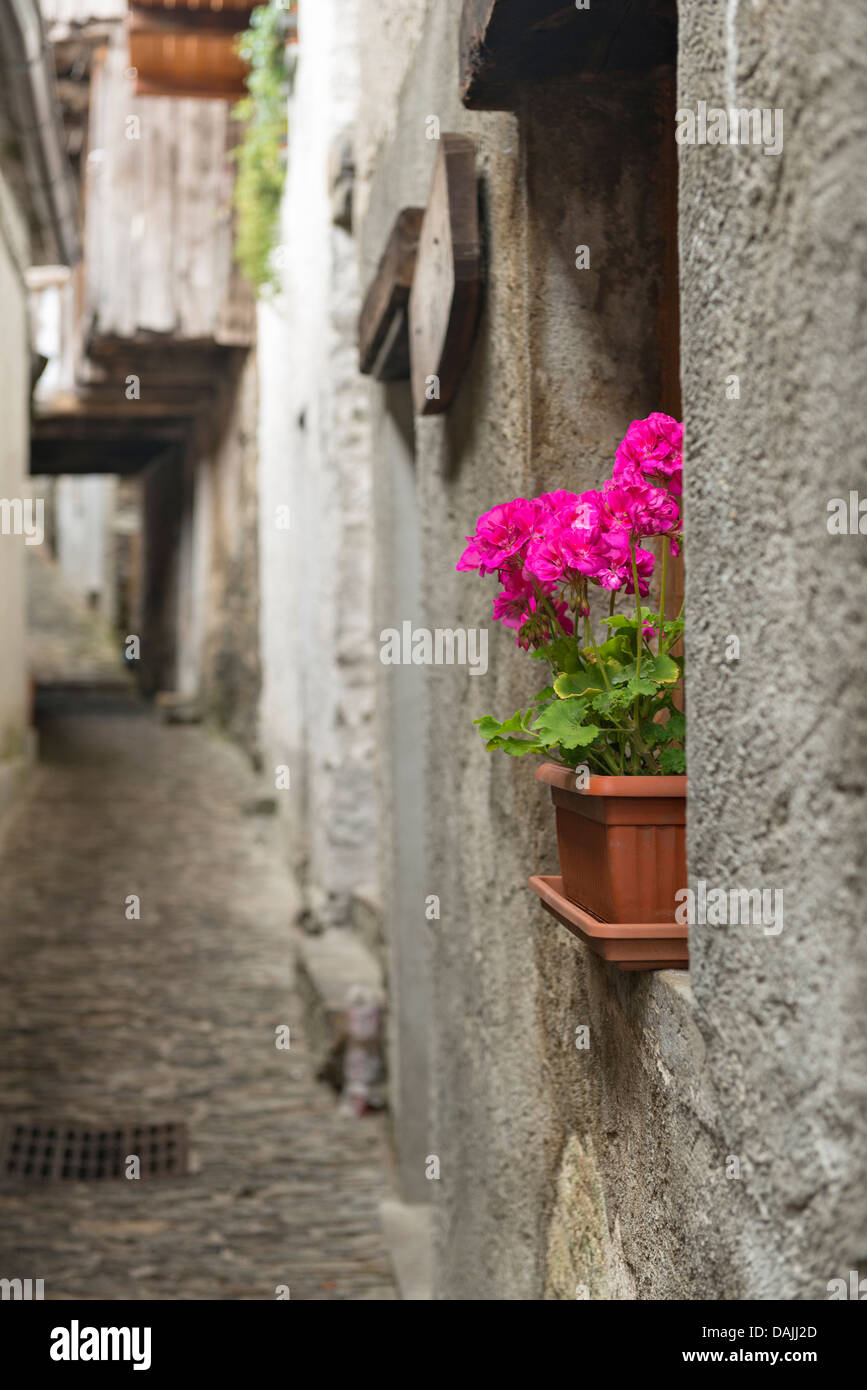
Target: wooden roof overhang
<point>98,428</point>
<point>69,438</point>
<point>504,43</point>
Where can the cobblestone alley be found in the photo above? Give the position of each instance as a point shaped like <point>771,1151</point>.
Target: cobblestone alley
<point>109,1021</point>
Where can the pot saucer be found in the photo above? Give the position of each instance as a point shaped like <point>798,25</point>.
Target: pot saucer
<point>628,945</point>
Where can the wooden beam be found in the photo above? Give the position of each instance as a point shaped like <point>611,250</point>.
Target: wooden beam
<point>217,6</point>
<point>82,426</point>
<point>109,402</point>
<point>505,43</point>
<point>228,91</point>
<point>74,442</point>
<point>444,300</point>
<point>49,458</point>
<point>193,365</point>
<point>179,60</point>
<point>183,20</point>
<point>383,336</point>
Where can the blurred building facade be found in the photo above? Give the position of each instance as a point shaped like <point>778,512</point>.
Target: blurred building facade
<point>38,222</point>
<point>151,377</point>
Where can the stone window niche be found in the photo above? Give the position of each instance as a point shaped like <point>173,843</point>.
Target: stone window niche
<point>594,95</point>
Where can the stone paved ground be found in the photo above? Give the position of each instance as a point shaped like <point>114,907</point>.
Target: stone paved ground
<point>66,641</point>
<point>173,1017</point>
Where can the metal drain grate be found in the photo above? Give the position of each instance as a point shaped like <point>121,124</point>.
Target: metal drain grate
<point>62,1151</point>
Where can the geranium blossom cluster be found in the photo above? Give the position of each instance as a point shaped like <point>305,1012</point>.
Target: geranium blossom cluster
<point>547,550</point>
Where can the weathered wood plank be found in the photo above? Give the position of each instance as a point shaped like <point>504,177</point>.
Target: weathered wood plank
<point>159,217</point>
<point>212,91</point>
<point>153,232</point>
<point>504,43</point>
<point>187,62</point>
<point>444,300</point>
<point>181,19</point>
<point>187,52</point>
<point>383,340</point>
<point>76,442</point>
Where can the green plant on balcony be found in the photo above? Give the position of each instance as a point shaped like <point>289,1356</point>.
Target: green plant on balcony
<point>261,154</point>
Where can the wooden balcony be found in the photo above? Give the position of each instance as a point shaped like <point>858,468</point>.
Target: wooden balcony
<point>189,51</point>
<point>158,297</point>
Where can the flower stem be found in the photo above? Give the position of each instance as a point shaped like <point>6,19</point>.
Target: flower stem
<point>665,546</point>
<point>582,603</point>
<point>544,600</point>
<point>590,642</point>
<point>639,636</point>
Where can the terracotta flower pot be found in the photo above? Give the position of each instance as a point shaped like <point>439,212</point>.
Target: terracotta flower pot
<point>622,843</point>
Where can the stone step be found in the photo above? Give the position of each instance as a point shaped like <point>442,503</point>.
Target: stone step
<point>341,988</point>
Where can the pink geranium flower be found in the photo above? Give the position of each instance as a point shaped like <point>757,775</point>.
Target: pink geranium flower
<point>640,509</point>
<point>558,501</point>
<point>651,451</point>
<point>500,534</point>
<point>548,559</point>
<point>561,541</point>
<point>513,600</point>
<point>644,563</point>
<point>548,550</point>
<point>473,557</point>
<point>654,445</point>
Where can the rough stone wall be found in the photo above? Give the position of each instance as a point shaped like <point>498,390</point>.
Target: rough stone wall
<point>773,273</point>
<point>84,515</point>
<point>227,573</point>
<point>607,1168</point>
<point>200,595</point>
<point>315,460</point>
<point>162,531</point>
<point>388,37</point>
<point>14,412</point>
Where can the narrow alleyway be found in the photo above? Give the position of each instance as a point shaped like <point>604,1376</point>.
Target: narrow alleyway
<point>107,1021</point>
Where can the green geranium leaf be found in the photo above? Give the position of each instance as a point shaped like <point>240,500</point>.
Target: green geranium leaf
<point>640,685</point>
<point>611,701</point>
<point>672,760</point>
<point>617,649</point>
<point>676,726</point>
<point>562,653</point>
<point>663,670</point>
<point>515,747</point>
<point>579,683</point>
<point>514,725</point>
<point>653,734</point>
<point>488,725</point>
<point>562,722</point>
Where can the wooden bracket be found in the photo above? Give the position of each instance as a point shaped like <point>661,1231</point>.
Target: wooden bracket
<point>444,300</point>
<point>383,333</point>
